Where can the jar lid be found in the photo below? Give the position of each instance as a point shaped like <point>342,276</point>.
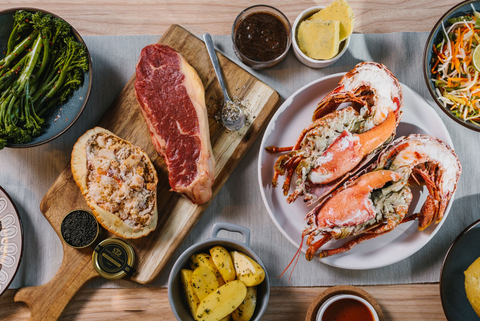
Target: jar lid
<point>113,258</point>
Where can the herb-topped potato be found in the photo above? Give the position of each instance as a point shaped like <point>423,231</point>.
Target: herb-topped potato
<point>247,270</point>
<point>234,296</point>
<point>205,260</point>
<point>222,302</point>
<point>222,260</point>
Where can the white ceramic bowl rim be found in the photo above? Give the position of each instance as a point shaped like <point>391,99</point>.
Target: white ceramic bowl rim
<point>301,17</point>
<point>337,297</point>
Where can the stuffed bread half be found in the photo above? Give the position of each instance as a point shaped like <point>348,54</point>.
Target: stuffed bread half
<point>118,181</point>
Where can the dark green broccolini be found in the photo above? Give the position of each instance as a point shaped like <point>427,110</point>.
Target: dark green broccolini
<point>42,66</point>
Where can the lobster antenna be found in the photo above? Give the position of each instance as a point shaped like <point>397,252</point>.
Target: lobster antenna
<point>297,256</point>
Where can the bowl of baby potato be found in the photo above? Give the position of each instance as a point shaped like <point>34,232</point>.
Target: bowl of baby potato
<point>219,279</point>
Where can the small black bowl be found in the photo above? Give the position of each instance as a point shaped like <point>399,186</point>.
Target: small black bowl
<point>463,252</point>
<point>73,108</point>
<point>435,37</point>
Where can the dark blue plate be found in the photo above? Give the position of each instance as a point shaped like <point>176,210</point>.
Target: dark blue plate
<point>460,255</point>
<point>56,121</point>
<point>435,37</point>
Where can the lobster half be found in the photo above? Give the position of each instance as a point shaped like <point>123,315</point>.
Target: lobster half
<point>373,203</point>
<point>340,142</point>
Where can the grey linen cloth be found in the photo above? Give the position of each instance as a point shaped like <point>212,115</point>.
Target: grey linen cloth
<point>26,174</point>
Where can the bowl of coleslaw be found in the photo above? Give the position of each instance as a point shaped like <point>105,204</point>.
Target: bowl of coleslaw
<point>451,71</point>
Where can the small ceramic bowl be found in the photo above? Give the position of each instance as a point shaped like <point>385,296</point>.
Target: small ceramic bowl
<point>324,299</point>
<point>314,63</point>
<point>175,296</point>
<point>56,122</point>
<point>261,9</point>
<point>435,37</point>
<point>335,298</point>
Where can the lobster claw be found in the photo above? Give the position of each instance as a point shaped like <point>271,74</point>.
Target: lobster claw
<point>352,205</point>
<point>347,151</point>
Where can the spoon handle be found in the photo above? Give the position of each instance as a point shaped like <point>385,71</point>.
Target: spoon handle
<point>216,65</point>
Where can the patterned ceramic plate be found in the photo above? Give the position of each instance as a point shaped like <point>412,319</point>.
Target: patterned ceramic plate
<point>11,240</point>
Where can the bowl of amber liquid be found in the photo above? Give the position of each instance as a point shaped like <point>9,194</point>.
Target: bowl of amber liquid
<point>261,36</point>
<point>346,307</point>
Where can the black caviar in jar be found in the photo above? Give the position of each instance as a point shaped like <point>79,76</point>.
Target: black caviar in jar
<point>261,37</point>
<point>79,228</point>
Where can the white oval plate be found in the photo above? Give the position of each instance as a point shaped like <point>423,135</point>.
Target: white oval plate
<point>11,240</point>
<point>283,130</point>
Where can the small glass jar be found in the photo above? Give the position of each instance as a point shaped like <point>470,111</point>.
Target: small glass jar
<point>79,229</point>
<point>261,9</point>
<point>113,258</point>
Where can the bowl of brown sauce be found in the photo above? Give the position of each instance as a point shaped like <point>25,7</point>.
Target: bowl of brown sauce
<point>261,36</point>
<point>346,307</point>
<point>344,303</point>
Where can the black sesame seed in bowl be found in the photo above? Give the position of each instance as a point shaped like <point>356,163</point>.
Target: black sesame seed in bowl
<point>79,229</point>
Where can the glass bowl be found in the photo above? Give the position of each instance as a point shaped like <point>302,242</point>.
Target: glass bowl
<point>261,9</point>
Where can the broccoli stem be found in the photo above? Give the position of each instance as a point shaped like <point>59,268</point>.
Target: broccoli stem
<point>72,58</point>
<point>3,110</point>
<point>12,116</point>
<point>32,121</point>
<point>12,39</point>
<point>19,85</point>
<point>7,78</point>
<point>46,56</point>
<point>42,90</point>
<point>5,62</point>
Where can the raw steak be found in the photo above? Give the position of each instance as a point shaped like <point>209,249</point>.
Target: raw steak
<point>172,100</point>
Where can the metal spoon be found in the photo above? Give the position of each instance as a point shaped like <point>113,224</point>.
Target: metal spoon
<point>232,115</point>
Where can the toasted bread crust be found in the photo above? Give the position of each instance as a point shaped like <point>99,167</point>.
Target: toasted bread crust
<point>108,220</point>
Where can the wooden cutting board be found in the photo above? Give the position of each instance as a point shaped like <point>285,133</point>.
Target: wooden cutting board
<point>177,215</point>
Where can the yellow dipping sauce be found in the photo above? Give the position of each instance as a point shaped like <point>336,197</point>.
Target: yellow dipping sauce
<point>319,39</point>
<point>319,36</point>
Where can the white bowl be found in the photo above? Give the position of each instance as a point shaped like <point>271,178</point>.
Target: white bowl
<point>314,63</point>
<point>335,298</point>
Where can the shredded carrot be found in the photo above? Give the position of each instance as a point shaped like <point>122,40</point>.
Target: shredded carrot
<point>435,66</point>
<point>454,71</point>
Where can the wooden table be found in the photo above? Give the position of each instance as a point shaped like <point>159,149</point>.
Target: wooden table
<point>135,17</point>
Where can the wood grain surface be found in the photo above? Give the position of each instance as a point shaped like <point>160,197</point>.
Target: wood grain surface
<point>142,17</point>
<point>177,215</point>
<point>420,302</point>
<point>127,17</point>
